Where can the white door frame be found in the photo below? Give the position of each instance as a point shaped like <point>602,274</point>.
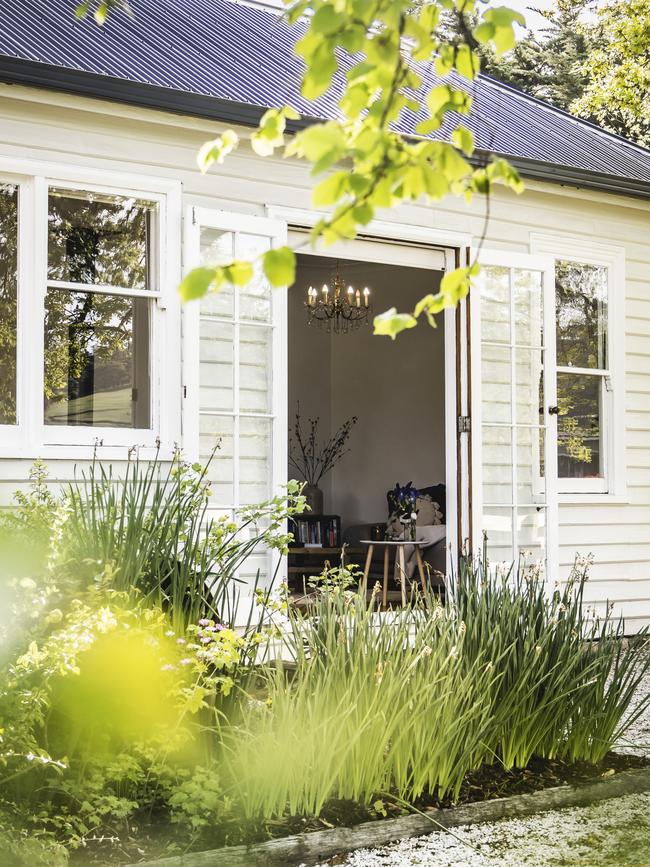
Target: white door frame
<point>454,245</point>
<point>544,264</point>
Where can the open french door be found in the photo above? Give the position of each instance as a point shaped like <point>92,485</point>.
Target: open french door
<point>514,412</point>
<point>235,367</point>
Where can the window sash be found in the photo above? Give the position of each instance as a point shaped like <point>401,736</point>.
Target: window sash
<point>602,483</point>
<point>30,437</point>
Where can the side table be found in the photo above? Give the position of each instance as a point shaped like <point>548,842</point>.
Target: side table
<point>400,564</point>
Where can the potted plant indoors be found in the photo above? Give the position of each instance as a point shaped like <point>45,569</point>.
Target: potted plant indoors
<point>312,460</point>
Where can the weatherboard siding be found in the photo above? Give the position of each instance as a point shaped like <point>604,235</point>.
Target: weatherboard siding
<point>85,132</point>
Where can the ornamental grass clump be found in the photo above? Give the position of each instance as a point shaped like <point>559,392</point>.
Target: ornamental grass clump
<point>409,702</point>
<point>374,704</point>
<point>566,677</point>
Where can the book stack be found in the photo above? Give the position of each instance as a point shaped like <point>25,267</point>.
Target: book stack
<point>317,531</point>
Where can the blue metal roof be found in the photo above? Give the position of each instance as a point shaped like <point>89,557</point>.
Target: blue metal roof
<point>222,59</point>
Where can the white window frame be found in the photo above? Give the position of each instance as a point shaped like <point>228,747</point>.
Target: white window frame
<point>31,437</point>
<point>581,251</point>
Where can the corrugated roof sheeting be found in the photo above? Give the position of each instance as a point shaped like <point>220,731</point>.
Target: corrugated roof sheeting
<point>243,54</point>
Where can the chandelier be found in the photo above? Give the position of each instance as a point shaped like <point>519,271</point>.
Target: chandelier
<point>338,309</point>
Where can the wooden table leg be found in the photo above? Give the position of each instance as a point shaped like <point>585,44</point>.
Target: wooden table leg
<point>366,570</point>
<point>384,600</point>
<point>402,570</point>
<point>423,580</point>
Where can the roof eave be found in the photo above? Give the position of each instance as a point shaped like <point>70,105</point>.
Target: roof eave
<point>81,83</point>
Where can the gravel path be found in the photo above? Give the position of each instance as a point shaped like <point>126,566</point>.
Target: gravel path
<point>613,833</point>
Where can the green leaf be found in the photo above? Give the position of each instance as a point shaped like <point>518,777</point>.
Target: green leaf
<point>454,286</point>
<point>484,32</point>
<point>321,66</point>
<point>463,138</point>
<point>238,273</point>
<point>467,62</point>
<point>502,19</point>
<point>391,323</point>
<point>217,149</point>
<point>321,144</point>
<point>198,282</point>
<point>330,190</point>
<point>438,98</point>
<point>327,20</point>
<point>280,266</point>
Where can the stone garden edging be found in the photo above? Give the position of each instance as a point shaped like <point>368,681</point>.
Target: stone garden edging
<point>316,846</point>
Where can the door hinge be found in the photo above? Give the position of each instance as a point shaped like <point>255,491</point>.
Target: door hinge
<point>193,215</point>
<point>464,424</point>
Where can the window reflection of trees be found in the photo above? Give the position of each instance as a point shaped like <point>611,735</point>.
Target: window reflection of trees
<point>97,344</point>
<point>581,305</point>
<point>8,301</point>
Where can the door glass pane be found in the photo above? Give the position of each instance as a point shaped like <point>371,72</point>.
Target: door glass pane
<point>581,311</point>
<point>495,305</point>
<point>96,360</point>
<point>217,248</point>
<point>254,459</point>
<point>496,391</point>
<point>497,465</point>
<point>497,525</point>
<point>99,239</point>
<point>531,536</point>
<point>529,386</point>
<point>527,287</point>
<point>530,443</point>
<point>254,369</point>
<point>255,297</point>
<point>580,452</point>
<point>218,432</point>
<point>8,301</point>
<point>217,365</point>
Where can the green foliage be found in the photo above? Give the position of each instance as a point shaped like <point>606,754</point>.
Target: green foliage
<point>380,52</point>
<point>147,534</point>
<point>548,63</point>
<point>617,67</point>
<point>125,702</point>
<point>112,673</point>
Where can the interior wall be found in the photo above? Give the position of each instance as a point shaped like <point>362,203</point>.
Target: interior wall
<point>395,388</point>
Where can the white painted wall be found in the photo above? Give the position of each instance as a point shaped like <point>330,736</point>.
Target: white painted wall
<point>76,131</point>
<point>395,388</point>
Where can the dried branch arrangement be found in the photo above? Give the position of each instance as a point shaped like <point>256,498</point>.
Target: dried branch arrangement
<point>308,457</point>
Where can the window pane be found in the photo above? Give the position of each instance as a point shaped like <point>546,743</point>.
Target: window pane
<point>254,369</point>
<point>495,304</point>
<point>217,249</point>
<point>254,298</point>
<point>527,287</point>
<point>99,239</point>
<point>218,432</point>
<point>8,301</point>
<point>217,365</point>
<point>579,426</point>
<point>96,360</point>
<point>581,311</point>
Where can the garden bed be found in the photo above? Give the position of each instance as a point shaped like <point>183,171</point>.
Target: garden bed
<point>307,848</point>
<point>345,825</point>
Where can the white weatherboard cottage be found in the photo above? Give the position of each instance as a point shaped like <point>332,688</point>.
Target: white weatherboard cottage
<point>531,403</point>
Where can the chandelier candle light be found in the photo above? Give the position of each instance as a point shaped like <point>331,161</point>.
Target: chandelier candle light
<point>337,310</point>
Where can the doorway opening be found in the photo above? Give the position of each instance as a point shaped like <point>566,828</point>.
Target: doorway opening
<point>398,393</point>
